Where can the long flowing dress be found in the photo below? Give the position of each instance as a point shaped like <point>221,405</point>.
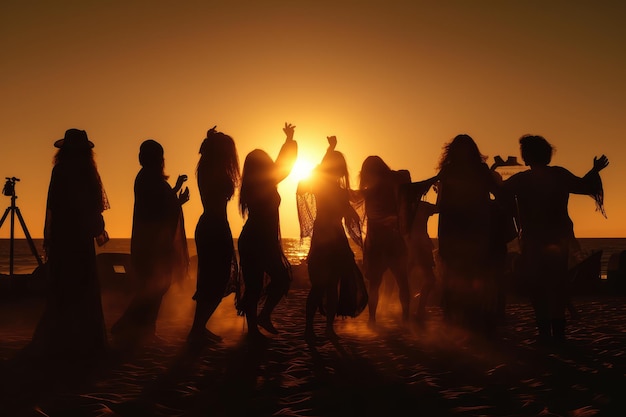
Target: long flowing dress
<point>72,324</point>
<point>158,250</point>
<point>465,242</point>
<point>331,262</point>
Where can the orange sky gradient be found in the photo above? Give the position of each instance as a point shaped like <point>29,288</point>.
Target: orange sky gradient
<point>394,78</point>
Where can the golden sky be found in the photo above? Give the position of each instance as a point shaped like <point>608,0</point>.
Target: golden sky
<point>394,78</point>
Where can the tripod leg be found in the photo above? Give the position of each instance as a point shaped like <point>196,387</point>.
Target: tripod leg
<point>33,248</point>
<point>6,212</point>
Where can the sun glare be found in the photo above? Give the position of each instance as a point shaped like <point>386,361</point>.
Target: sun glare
<point>302,169</point>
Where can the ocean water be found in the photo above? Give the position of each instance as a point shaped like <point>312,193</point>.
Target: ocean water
<point>25,261</point>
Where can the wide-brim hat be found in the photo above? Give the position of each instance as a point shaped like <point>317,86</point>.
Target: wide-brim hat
<point>74,138</point>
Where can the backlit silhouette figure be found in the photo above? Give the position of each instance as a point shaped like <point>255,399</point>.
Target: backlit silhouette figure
<point>72,324</point>
<point>465,226</point>
<point>384,248</point>
<point>218,176</point>
<point>158,245</point>
<point>542,195</point>
<point>260,247</point>
<point>414,214</point>
<point>337,285</point>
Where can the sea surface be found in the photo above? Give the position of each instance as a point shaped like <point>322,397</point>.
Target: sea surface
<point>25,261</point>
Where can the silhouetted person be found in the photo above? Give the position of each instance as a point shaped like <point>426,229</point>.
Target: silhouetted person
<point>218,175</point>
<point>259,244</point>
<point>158,246</point>
<point>72,325</point>
<point>337,285</point>
<point>503,230</point>
<point>542,195</point>
<point>415,212</point>
<point>384,247</point>
<point>464,233</point>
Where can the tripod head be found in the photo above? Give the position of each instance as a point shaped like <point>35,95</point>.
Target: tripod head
<point>9,186</point>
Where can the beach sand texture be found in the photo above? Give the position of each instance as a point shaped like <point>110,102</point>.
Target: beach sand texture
<point>391,370</point>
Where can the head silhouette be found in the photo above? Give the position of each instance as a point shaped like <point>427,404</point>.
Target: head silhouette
<point>536,150</point>
<point>75,158</point>
<point>75,145</point>
<point>334,168</point>
<point>151,155</point>
<point>373,171</point>
<point>256,178</point>
<point>462,150</point>
<point>219,161</point>
<point>74,139</point>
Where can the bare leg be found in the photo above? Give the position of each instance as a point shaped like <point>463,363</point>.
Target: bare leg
<point>402,279</point>
<point>204,311</point>
<point>276,289</point>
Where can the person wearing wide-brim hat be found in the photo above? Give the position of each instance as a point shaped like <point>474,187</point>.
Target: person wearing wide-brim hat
<point>74,138</point>
<point>72,327</point>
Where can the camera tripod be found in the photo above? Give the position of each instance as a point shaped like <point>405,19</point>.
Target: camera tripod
<point>9,190</point>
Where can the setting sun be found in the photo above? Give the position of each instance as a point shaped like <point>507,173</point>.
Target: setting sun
<point>302,169</point>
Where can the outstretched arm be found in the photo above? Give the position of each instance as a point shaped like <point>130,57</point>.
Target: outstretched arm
<point>591,183</point>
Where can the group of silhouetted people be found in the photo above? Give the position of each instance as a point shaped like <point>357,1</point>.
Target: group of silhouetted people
<point>386,216</point>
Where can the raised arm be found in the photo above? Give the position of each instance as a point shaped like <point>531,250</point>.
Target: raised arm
<point>287,156</point>
<point>591,183</point>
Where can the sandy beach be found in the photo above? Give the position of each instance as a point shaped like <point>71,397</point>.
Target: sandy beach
<point>393,369</point>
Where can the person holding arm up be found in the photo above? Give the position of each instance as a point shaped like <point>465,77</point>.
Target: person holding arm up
<point>260,246</point>
<point>540,196</point>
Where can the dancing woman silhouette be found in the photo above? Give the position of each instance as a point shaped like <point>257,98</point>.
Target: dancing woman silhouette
<point>465,234</point>
<point>337,286</point>
<point>384,246</point>
<point>259,244</point>
<point>217,175</point>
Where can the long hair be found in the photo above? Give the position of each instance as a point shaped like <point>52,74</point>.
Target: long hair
<point>80,165</point>
<point>219,163</point>
<point>256,179</point>
<point>462,150</point>
<point>373,171</point>
<point>334,166</point>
